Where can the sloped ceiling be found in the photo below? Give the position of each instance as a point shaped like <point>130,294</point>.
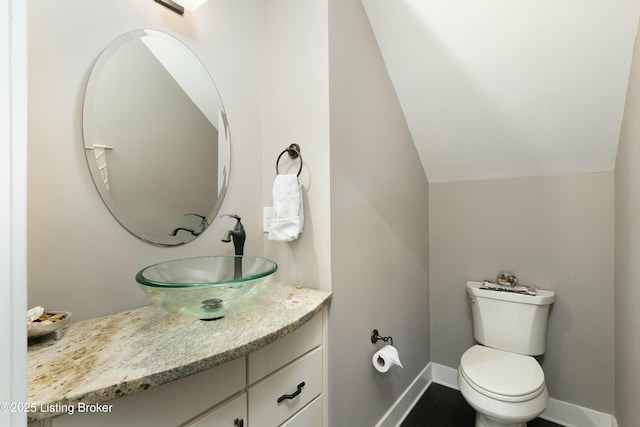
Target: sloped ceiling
<point>497,89</point>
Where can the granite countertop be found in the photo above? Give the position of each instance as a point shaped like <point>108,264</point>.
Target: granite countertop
<point>104,358</point>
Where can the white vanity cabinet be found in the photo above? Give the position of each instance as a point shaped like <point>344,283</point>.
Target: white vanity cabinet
<point>281,384</point>
<point>286,377</point>
<point>282,395</point>
<point>274,373</point>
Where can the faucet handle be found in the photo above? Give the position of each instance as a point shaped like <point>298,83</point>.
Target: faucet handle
<point>204,218</point>
<point>203,223</point>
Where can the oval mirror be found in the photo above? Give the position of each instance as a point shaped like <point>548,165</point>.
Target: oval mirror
<point>156,137</point>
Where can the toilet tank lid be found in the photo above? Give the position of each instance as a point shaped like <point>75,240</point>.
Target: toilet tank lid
<point>542,297</point>
<point>501,372</point>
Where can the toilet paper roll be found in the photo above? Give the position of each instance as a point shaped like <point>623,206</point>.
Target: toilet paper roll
<point>385,358</point>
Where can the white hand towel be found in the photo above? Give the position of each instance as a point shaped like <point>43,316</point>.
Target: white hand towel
<point>288,212</point>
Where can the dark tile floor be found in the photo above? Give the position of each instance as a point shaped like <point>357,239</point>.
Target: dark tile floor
<point>442,406</point>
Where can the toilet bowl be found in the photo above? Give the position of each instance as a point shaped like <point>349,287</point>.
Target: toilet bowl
<point>505,389</point>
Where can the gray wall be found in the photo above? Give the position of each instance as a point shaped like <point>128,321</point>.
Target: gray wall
<point>379,227</point>
<point>295,93</point>
<point>627,254</point>
<point>553,232</point>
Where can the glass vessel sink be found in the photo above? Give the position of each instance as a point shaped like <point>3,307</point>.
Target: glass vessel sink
<point>207,287</point>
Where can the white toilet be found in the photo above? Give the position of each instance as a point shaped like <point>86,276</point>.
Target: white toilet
<point>499,378</point>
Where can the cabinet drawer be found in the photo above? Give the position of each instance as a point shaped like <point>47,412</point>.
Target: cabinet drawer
<point>310,416</point>
<point>266,360</point>
<point>231,414</point>
<point>264,408</point>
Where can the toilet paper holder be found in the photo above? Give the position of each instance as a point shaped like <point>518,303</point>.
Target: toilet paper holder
<point>375,337</point>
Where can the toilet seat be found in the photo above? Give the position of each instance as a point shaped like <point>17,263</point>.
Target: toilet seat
<point>502,375</point>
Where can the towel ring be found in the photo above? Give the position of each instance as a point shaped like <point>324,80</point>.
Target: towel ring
<point>294,152</point>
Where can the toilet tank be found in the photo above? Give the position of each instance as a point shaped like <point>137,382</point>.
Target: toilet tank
<point>510,321</point>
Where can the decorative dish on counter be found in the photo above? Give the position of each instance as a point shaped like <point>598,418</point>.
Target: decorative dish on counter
<point>41,322</point>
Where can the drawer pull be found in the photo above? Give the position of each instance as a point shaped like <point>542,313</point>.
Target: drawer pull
<point>294,394</point>
<point>238,422</point>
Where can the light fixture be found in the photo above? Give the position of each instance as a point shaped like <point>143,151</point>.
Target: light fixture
<point>190,5</point>
<point>172,5</point>
<point>179,6</point>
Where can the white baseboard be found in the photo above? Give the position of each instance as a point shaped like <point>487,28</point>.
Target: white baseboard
<point>407,400</point>
<point>559,412</point>
<point>571,415</point>
<point>445,375</point>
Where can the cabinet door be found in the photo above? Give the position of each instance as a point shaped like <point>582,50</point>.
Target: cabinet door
<point>281,395</point>
<point>231,414</point>
<point>167,405</point>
